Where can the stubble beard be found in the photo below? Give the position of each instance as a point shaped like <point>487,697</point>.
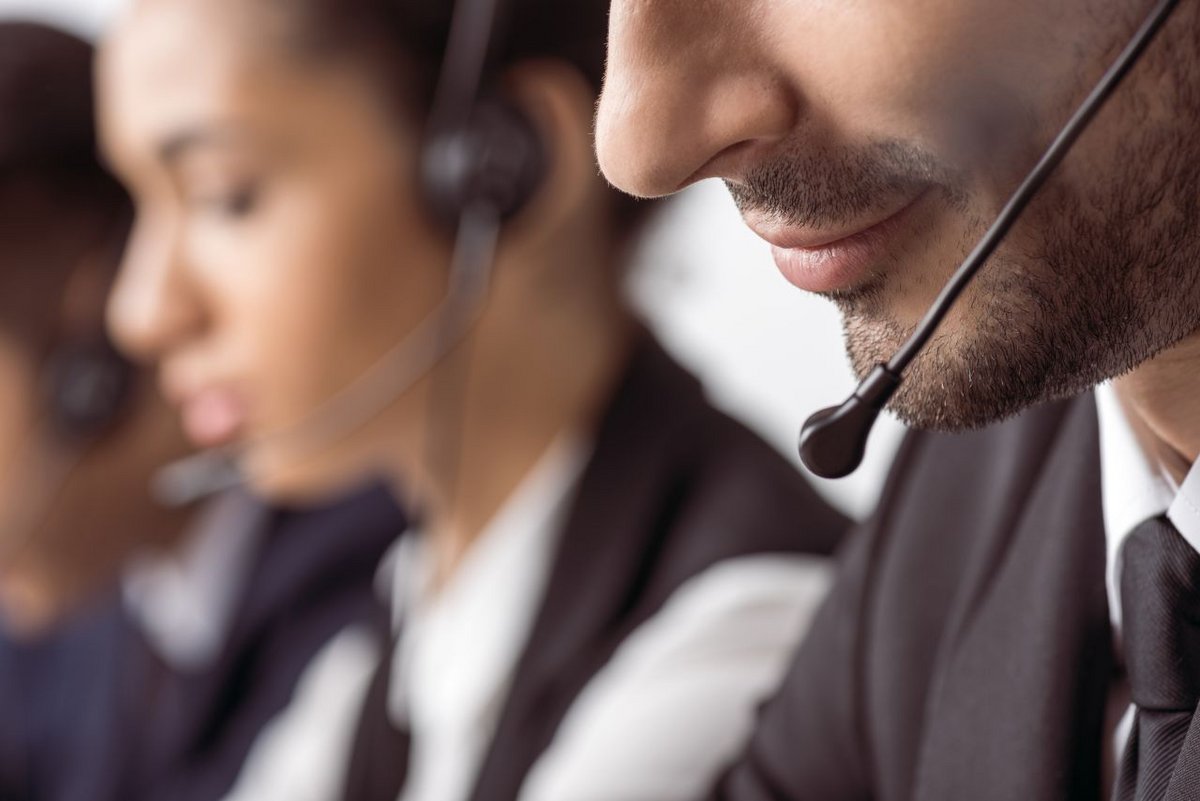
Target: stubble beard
<point>1101,275</point>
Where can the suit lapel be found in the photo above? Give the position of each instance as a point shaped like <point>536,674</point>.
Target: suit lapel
<point>185,706</point>
<point>1027,672</point>
<point>378,766</point>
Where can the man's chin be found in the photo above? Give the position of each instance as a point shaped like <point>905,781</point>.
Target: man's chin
<point>953,385</point>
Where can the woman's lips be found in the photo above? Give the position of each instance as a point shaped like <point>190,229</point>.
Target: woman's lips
<point>824,263</point>
<point>213,418</point>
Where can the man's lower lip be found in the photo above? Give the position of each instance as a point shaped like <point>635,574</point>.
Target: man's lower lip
<point>835,267</point>
<point>840,265</point>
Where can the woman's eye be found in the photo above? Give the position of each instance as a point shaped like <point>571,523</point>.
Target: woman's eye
<point>237,204</point>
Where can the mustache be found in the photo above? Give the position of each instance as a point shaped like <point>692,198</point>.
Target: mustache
<point>821,188</point>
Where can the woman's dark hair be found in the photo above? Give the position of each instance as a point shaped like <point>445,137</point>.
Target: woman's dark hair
<point>406,39</point>
<point>56,200</point>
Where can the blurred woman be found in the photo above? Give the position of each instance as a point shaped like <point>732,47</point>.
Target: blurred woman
<point>608,575</point>
<point>142,649</point>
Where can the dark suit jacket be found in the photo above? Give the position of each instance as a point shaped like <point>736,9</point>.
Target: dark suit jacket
<point>672,488</point>
<point>965,652</point>
<point>91,714</point>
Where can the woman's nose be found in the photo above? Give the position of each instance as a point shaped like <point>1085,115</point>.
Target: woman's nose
<point>153,305</point>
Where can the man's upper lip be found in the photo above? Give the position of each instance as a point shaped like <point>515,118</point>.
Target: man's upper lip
<point>788,237</point>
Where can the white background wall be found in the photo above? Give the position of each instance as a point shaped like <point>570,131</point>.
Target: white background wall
<point>769,354</point>
<point>85,17</point>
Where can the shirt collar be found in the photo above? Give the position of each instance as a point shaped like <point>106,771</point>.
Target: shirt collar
<point>1135,488</point>
<point>459,646</point>
<point>1185,510</point>
<point>185,600</point>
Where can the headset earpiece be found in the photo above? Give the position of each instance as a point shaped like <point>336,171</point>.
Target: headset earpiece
<point>88,384</point>
<point>497,160</point>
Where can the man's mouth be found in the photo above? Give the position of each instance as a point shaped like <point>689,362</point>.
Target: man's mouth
<point>833,260</point>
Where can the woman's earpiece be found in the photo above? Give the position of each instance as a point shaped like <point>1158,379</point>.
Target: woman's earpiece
<point>496,160</point>
<point>483,155</point>
<point>88,384</point>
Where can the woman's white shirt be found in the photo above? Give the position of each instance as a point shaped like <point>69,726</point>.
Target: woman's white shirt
<point>672,708</point>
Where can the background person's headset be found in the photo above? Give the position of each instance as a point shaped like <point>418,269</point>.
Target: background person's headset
<point>87,388</point>
<point>86,384</point>
<point>482,161</point>
<point>834,441</point>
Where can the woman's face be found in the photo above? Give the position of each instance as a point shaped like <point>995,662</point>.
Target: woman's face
<point>279,249</point>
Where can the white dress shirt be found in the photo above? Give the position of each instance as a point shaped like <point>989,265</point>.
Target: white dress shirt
<point>678,702</point>
<point>451,666</point>
<point>304,753</point>
<point>1135,488</point>
<point>460,643</point>
<point>673,707</point>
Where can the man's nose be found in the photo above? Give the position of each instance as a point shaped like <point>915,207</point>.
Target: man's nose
<point>687,96</point>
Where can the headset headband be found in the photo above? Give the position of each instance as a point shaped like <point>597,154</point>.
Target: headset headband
<point>473,33</point>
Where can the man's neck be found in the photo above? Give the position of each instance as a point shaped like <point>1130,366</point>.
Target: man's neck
<point>1163,397</point>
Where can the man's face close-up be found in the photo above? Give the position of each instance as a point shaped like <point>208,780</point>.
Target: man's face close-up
<point>873,142</point>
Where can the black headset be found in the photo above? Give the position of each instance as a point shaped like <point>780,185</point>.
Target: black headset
<point>86,382</point>
<point>87,386</point>
<point>481,150</point>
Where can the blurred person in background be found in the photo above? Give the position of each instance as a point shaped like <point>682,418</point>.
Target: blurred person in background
<point>141,648</point>
<point>80,436</point>
<point>608,575</point>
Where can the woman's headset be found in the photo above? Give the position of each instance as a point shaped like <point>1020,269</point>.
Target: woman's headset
<point>482,152</point>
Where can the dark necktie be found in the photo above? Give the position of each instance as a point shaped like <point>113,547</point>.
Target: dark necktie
<point>1160,602</point>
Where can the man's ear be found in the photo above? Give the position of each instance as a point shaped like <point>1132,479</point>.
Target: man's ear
<point>561,105</point>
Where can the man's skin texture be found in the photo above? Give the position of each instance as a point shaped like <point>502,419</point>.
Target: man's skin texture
<point>827,119</point>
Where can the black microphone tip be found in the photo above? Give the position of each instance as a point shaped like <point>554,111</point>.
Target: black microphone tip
<point>834,441</point>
